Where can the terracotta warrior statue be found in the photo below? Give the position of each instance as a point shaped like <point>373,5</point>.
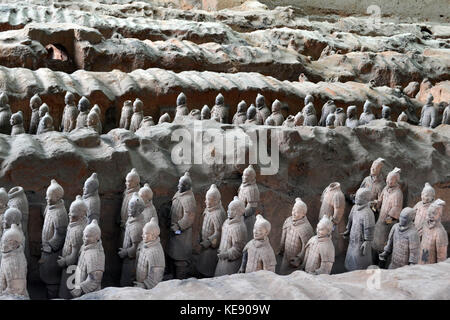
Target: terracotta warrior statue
<point>220,110</point>
<point>367,114</point>
<point>402,117</point>
<point>276,115</point>
<point>262,112</point>
<point>375,181</point>
<point>132,238</point>
<point>72,244</point>
<point>333,206</point>
<point>164,118</point>
<point>329,122</point>
<point>70,113</point>
<point>258,253</point>
<point>403,242</point>
<point>96,108</point>
<point>352,120</point>
<point>249,194</point>
<point>386,113</point>
<point>233,240</point>
<point>433,247</point>
<point>147,121</point>
<point>428,195</point>
<point>10,217</point>
<point>299,119</point>
<point>150,257</point>
<point>3,207</point>
<point>205,113</point>
<point>213,218</point>
<point>241,113</point>
<point>328,108</point>
<point>181,110</point>
<point>340,117</point>
<point>319,251</point>
<point>251,116</point>
<point>93,120</point>
<point>91,263</point>
<point>53,236</point>
<point>91,197</point>
<point>5,114</point>
<point>149,212</point>
<point>289,122</point>
<point>429,114</point>
<point>35,103</point>
<point>83,110</point>
<point>132,184</point>
<point>18,199</point>
<point>296,233</point>
<point>13,266</point>
<point>17,123</point>
<point>309,112</point>
<point>138,115</point>
<point>194,114</point>
<point>389,204</point>
<point>360,228</point>
<point>126,114</point>
<point>446,115</point>
<point>43,110</point>
<point>182,216</point>
<point>45,124</point>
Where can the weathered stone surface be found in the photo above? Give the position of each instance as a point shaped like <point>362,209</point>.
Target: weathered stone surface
<point>421,282</point>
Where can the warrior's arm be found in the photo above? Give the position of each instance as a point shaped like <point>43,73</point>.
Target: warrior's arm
<point>59,235</point>
<point>71,259</point>
<point>441,246</point>
<point>325,267</point>
<point>441,253</point>
<point>235,252</point>
<point>131,251</point>
<point>414,247</point>
<point>434,119</point>
<point>389,245</point>
<point>3,284</point>
<point>92,282</point>
<point>339,207</point>
<point>283,240</point>
<point>348,228</point>
<point>154,277</point>
<point>396,208</point>
<point>215,237</point>
<point>187,220</point>
<point>244,262</point>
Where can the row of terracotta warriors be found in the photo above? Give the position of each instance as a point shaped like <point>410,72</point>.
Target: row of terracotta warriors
<point>132,116</point>
<point>236,241</point>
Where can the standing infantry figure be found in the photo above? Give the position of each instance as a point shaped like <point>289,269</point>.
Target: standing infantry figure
<point>374,182</point>
<point>205,113</point>
<point>389,204</point>
<point>386,113</point>
<point>330,120</point>
<point>5,114</point>
<point>427,195</point>
<point>93,120</point>
<point>328,108</point>
<point>150,257</point>
<point>351,121</point>
<point>10,217</point>
<point>126,114</point>
<point>45,124</point>
<point>91,197</point>
<point>333,206</point>
<point>296,233</point>
<point>53,235</point>
<point>429,114</point>
<point>367,114</point>
<point>233,240</point>
<point>13,267</point>
<point>310,115</point>
<point>249,194</point>
<point>83,107</point>
<point>3,207</point>
<point>164,118</point>
<point>35,103</point>
<point>96,108</point>
<point>91,263</point>
<point>74,240</point>
<point>319,251</point>
<point>149,212</point>
<point>360,228</point>
<point>262,112</point>
<point>43,110</point>
<point>132,184</point>
<point>132,238</point>
<point>258,253</point>
<point>18,199</point>
<point>138,115</point>
<point>240,116</point>
<point>276,115</point>
<point>70,114</point>
<point>181,110</point>
<point>433,247</point>
<point>182,216</point>
<point>17,123</point>
<point>340,117</point>
<point>220,110</point>
<point>403,242</point>
<point>289,122</point>
<point>213,218</point>
<point>251,116</point>
<point>299,119</point>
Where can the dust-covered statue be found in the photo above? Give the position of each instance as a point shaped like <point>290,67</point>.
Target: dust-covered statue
<point>249,194</point>
<point>92,198</point>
